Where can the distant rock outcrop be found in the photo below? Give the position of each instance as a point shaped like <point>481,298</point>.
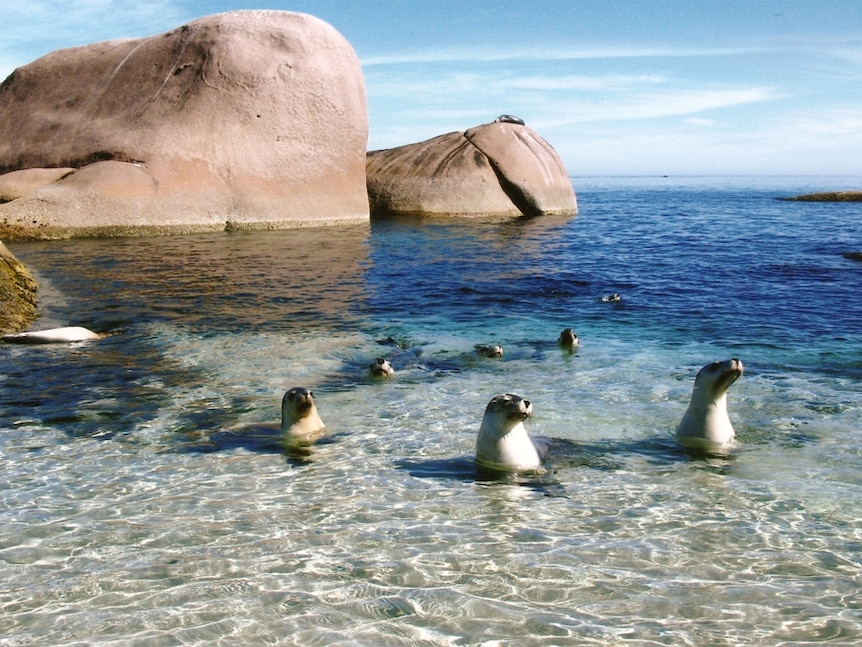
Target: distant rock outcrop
<point>245,119</point>
<point>829,196</point>
<point>17,294</point>
<point>499,169</point>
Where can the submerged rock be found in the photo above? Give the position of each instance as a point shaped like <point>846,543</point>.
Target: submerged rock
<point>244,119</point>
<point>499,169</point>
<point>17,294</point>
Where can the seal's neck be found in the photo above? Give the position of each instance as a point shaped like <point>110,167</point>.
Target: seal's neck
<point>308,426</point>
<point>513,451</point>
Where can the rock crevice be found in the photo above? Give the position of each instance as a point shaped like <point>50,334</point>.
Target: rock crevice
<point>499,169</point>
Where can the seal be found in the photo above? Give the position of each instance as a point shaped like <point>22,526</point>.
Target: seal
<point>509,119</point>
<point>611,298</point>
<point>503,443</point>
<point>492,350</point>
<point>568,339</point>
<point>300,422</point>
<point>705,426</point>
<point>53,336</point>
<point>381,368</point>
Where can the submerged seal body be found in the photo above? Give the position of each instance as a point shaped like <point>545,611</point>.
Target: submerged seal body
<point>503,443</point>
<point>300,422</point>
<point>705,426</point>
<point>383,367</point>
<point>53,336</point>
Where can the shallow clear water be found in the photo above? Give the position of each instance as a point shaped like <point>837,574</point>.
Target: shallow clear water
<point>136,511</point>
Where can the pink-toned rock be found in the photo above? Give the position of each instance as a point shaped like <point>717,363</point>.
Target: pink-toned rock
<point>245,119</point>
<point>17,184</point>
<point>499,169</point>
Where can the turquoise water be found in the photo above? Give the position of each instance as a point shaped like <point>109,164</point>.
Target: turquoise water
<point>135,511</point>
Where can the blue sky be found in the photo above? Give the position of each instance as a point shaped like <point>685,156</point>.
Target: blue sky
<point>643,87</point>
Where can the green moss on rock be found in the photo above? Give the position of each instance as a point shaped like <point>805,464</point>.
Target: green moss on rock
<point>17,294</point>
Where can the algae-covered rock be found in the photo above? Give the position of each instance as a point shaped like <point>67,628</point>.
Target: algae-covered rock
<point>17,294</point>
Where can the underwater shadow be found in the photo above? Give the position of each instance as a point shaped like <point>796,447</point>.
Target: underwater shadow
<point>563,454</point>
<point>258,441</point>
<point>465,470</point>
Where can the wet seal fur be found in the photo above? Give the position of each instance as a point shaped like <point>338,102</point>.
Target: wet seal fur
<point>300,422</point>
<point>381,368</point>
<point>53,336</point>
<point>490,350</point>
<point>706,427</point>
<point>503,443</point>
<point>568,339</point>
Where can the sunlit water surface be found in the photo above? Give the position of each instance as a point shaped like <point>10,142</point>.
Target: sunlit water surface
<point>136,510</point>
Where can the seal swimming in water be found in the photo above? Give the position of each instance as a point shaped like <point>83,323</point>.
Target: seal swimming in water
<point>503,443</point>
<point>381,368</point>
<point>300,428</point>
<point>706,425</point>
<point>492,350</point>
<point>53,336</point>
<point>300,422</point>
<point>568,339</point>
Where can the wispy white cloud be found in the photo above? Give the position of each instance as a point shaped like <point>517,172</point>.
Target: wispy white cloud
<point>485,54</point>
<point>700,122</point>
<point>559,99</point>
<point>833,124</point>
<point>583,82</point>
<point>85,21</point>
<point>673,103</point>
<point>33,28</point>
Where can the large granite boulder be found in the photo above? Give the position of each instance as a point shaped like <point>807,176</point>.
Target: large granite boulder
<point>245,119</point>
<point>17,294</point>
<point>499,169</point>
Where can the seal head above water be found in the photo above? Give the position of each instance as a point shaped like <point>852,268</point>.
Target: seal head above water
<point>300,421</point>
<point>705,426</point>
<point>568,339</point>
<point>503,443</point>
<point>381,368</point>
<point>489,350</point>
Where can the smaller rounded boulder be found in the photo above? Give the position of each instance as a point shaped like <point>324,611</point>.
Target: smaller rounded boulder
<point>503,168</point>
